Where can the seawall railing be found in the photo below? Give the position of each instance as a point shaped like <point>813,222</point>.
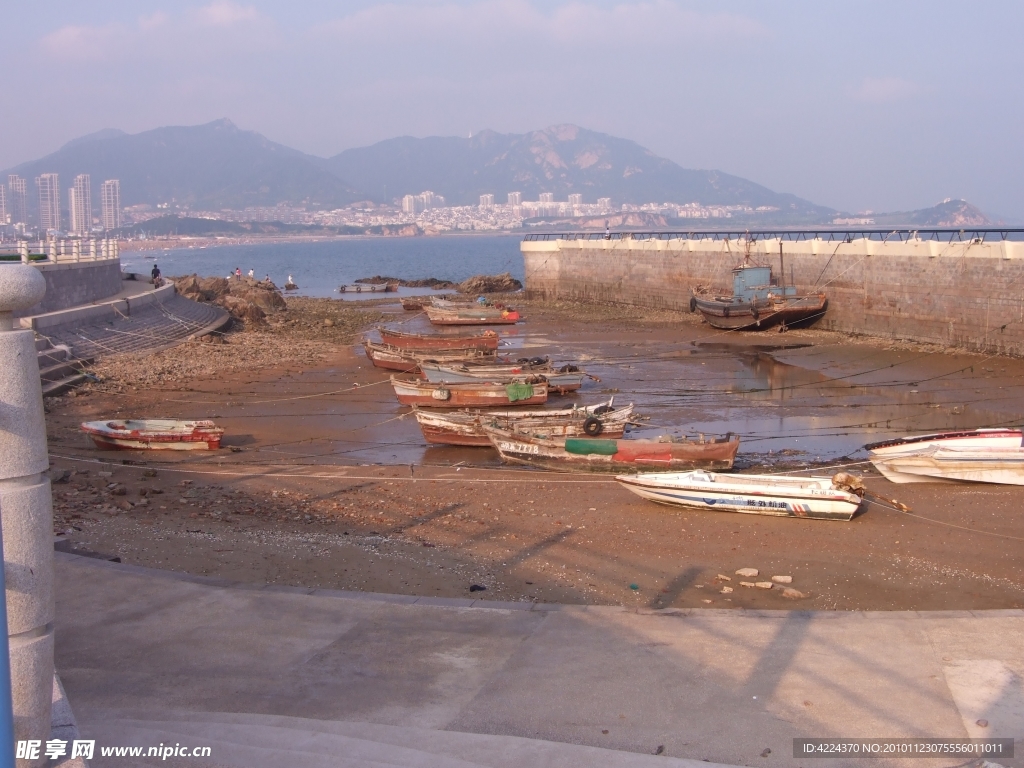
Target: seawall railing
<point>60,251</point>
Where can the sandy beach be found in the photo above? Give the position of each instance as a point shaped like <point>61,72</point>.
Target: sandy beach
<point>324,480</point>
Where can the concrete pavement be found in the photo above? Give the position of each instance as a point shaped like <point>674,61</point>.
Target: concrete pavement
<point>350,679</point>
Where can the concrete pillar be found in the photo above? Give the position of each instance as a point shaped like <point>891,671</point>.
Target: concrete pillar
<point>26,511</point>
<point>23,250</point>
<point>76,249</point>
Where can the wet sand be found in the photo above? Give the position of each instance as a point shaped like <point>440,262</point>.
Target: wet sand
<point>339,490</point>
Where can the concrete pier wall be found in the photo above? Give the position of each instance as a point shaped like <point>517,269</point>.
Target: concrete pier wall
<point>75,283</point>
<point>959,294</point>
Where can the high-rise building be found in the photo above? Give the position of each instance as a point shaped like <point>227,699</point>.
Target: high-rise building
<point>48,186</point>
<point>486,201</point>
<point>410,204</point>
<point>605,203</point>
<point>80,205</point>
<point>3,205</point>
<point>110,204</point>
<point>515,198</point>
<point>576,199</point>
<point>547,197</point>
<point>428,200</point>
<point>18,203</point>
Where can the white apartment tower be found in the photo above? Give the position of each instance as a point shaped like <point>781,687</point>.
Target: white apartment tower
<point>576,199</point>
<point>80,205</point>
<point>486,202</point>
<point>3,205</point>
<point>110,204</point>
<point>515,198</point>
<point>547,197</point>
<point>18,203</point>
<point>409,204</point>
<point>48,186</point>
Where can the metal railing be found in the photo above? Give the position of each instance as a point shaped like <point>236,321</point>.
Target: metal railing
<point>60,251</point>
<point>942,234</point>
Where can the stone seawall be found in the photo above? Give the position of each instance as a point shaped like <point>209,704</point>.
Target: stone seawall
<point>959,294</point>
<point>74,283</point>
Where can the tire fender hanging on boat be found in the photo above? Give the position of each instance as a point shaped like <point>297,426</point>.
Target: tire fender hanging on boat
<point>593,426</point>
<point>693,303</point>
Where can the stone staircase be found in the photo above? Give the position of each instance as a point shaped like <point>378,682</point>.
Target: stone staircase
<point>59,369</point>
<point>269,741</point>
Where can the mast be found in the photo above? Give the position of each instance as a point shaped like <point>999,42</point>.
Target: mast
<point>782,268</point>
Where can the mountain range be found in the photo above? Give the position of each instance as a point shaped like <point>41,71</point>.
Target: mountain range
<point>220,166</point>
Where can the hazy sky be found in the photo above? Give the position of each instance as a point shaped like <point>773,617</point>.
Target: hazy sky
<point>856,105</point>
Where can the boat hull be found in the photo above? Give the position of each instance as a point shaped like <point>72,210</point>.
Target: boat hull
<point>477,395</point>
<point>971,438</point>
<point>425,342</point>
<point>154,435</point>
<point>759,315</point>
<point>471,317</point>
<point>773,495</point>
<point>629,456</point>
<point>560,383</point>
<point>407,361</point>
<point>465,427</point>
<point>999,466</point>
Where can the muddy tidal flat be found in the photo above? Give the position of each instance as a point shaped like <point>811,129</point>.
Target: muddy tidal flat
<point>326,482</point>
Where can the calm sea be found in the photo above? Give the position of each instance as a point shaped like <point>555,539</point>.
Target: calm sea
<point>319,268</point>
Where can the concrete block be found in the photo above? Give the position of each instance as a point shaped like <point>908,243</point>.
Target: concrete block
<point>32,685</point>
<point>22,451</point>
<point>27,517</point>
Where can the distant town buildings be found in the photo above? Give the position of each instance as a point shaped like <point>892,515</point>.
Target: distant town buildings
<point>80,205</point>
<point>422,202</point>
<point>547,197</point>
<point>48,186</point>
<point>515,198</point>
<point>4,219</point>
<point>576,199</point>
<point>110,204</point>
<point>486,202</point>
<point>18,200</point>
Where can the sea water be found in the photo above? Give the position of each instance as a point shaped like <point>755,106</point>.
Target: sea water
<point>319,268</point>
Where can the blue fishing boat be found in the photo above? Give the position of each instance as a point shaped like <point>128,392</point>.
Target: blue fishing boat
<point>758,301</point>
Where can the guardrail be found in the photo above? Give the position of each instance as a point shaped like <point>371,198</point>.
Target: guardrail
<point>942,234</point>
<point>60,251</point>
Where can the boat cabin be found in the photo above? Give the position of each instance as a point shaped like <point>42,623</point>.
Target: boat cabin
<point>750,283</point>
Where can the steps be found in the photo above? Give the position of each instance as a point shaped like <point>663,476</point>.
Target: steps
<point>59,369</point>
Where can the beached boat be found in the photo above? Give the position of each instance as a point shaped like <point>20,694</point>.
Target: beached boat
<point>368,288</point>
<point>600,455</point>
<point>758,302</point>
<point>154,434</point>
<point>475,395</point>
<point>944,464</point>
<point>472,316</point>
<point>964,438</point>
<point>431,341</point>
<point>411,305</point>
<point>560,381</point>
<point>465,427</point>
<point>820,498</point>
<point>408,361</point>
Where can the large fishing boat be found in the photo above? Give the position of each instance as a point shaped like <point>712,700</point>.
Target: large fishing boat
<point>758,301</point>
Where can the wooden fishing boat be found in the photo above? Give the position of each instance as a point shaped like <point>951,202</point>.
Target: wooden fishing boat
<point>407,361</point>
<point>965,438</point>
<point>818,498</point>
<point>368,288</point>
<point>942,463</point>
<point>475,395</point>
<point>472,316</point>
<point>431,341</point>
<point>464,427</point>
<point>560,381</point>
<point>411,305</point>
<point>758,302</point>
<point>600,455</point>
<point>154,434</point>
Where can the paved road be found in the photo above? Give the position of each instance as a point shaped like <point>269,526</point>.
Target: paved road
<point>358,680</point>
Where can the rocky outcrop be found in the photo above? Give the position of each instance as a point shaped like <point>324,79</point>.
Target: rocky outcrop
<point>503,283</point>
<point>246,299</point>
<point>427,282</point>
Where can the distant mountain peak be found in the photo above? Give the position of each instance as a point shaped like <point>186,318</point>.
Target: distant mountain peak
<point>101,135</point>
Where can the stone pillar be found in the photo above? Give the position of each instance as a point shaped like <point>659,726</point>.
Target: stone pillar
<point>23,250</point>
<point>26,512</point>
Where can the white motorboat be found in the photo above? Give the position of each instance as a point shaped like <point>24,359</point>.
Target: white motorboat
<point>821,498</point>
<point>942,464</point>
<point>965,438</point>
<point>154,434</point>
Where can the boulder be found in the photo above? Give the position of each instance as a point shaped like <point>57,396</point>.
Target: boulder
<point>241,309</point>
<point>503,283</point>
<point>213,288</point>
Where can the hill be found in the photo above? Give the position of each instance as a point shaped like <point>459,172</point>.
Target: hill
<point>948,213</point>
<point>562,159</point>
<point>213,166</point>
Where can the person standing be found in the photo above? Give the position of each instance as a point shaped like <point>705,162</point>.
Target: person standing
<point>238,273</point>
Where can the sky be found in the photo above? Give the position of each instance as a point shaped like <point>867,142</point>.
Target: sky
<point>856,105</point>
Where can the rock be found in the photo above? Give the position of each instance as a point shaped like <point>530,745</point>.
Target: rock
<point>793,594</point>
<point>782,579</point>
<point>503,283</point>
<point>119,490</point>
<point>724,578</point>
<point>104,474</point>
<point>241,309</point>
<point>747,572</point>
<point>328,323</point>
<point>982,723</point>
<point>706,601</point>
<point>477,588</point>
<point>766,752</point>
<point>763,585</point>
<point>149,473</point>
<point>726,590</point>
<point>746,584</point>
